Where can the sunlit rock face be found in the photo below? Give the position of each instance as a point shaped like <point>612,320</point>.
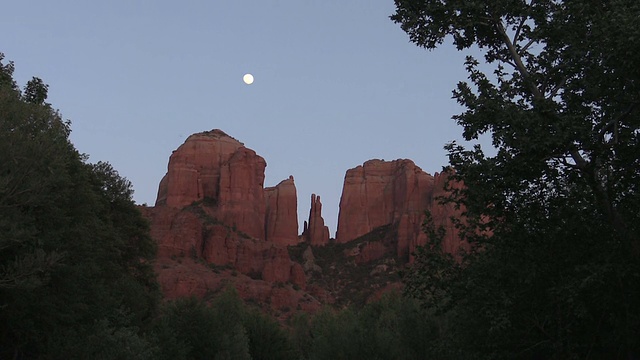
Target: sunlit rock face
<point>381,192</point>
<point>394,194</point>
<point>212,206</point>
<point>282,213</point>
<point>195,167</point>
<point>215,167</point>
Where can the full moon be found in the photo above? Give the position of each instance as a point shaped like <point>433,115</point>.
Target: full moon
<point>248,79</point>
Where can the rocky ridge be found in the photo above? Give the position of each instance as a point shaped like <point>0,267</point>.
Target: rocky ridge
<point>217,225</point>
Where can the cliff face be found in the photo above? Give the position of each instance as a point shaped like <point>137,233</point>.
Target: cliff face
<point>212,209</point>
<point>194,168</point>
<point>282,213</point>
<point>194,234</point>
<point>215,167</point>
<point>394,194</point>
<point>380,193</point>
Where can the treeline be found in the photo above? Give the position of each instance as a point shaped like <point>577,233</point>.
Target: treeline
<point>394,327</point>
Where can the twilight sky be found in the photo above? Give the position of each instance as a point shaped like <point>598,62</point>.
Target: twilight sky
<point>336,83</point>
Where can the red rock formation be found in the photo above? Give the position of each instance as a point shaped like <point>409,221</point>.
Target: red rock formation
<point>235,223</point>
<point>176,232</point>
<point>297,275</point>
<point>190,233</point>
<point>282,213</point>
<point>185,277</point>
<point>367,252</point>
<point>192,256</point>
<point>395,193</point>
<point>194,168</point>
<point>315,232</point>
<point>240,201</point>
<point>216,224</point>
<point>377,193</point>
<point>212,165</point>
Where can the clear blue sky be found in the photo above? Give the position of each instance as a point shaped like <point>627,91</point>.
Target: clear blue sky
<point>336,83</point>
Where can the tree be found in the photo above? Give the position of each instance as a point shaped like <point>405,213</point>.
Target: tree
<point>554,215</point>
<point>35,91</point>
<point>393,327</point>
<point>33,146</point>
<point>190,329</point>
<point>563,101</point>
<point>74,250</point>
<point>267,338</point>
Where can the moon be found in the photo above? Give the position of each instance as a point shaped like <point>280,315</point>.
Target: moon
<point>248,79</point>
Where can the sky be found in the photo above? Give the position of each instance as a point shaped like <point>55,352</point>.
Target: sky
<point>336,83</point>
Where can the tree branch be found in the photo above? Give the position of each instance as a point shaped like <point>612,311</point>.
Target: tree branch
<point>537,94</point>
<point>517,34</point>
<point>581,163</point>
<point>527,45</point>
<point>557,88</point>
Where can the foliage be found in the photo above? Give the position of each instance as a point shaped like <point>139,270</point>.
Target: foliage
<point>103,340</point>
<point>267,338</point>
<point>391,328</point>
<point>189,329</point>
<point>74,251</point>
<point>564,116</point>
<point>553,216</point>
<point>225,329</point>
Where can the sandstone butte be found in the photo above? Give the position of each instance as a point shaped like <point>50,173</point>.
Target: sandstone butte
<point>393,194</point>
<point>213,211</point>
<point>216,224</point>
